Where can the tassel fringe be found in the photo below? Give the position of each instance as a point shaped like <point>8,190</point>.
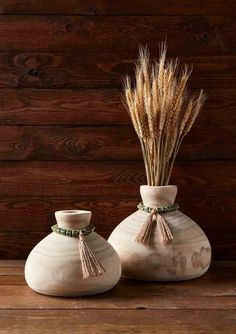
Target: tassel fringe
<point>90,265</point>
<point>164,232</point>
<point>144,234</point>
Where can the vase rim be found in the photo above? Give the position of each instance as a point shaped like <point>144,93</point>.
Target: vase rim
<point>168,186</point>
<point>72,212</point>
<point>73,219</point>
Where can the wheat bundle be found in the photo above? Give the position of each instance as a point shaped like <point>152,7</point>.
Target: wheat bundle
<point>162,111</point>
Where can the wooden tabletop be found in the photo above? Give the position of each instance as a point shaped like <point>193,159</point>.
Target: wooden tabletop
<point>204,305</point>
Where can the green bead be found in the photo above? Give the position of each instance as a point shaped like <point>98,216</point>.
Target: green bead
<point>164,209</point>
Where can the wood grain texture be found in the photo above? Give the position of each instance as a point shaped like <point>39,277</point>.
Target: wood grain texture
<point>107,143</point>
<point>37,213</point>
<point>62,107</point>
<point>117,302</point>
<point>22,214</point>
<point>124,321</point>
<point>209,287</point>
<point>122,7</point>
<point>202,35</point>
<point>100,107</point>
<point>159,297</point>
<point>104,69</point>
<point>193,306</point>
<point>33,178</point>
<point>66,140</point>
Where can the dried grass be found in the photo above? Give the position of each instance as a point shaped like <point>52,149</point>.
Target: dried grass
<point>162,111</point>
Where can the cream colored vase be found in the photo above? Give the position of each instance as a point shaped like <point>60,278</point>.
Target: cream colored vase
<point>54,266</point>
<point>187,256</point>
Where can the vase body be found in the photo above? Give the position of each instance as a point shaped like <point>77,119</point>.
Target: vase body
<point>187,256</point>
<point>54,265</point>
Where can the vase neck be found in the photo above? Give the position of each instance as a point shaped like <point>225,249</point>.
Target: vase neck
<point>73,219</point>
<point>158,196</point>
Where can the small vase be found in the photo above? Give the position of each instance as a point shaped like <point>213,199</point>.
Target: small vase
<point>187,255</point>
<point>57,264</point>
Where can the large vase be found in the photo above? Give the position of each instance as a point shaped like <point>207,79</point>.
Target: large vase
<point>73,260</point>
<point>184,251</point>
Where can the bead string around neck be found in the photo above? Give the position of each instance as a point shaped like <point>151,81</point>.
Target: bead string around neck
<point>73,233</point>
<point>163,209</point>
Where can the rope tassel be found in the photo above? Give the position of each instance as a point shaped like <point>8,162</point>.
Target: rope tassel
<point>165,234</point>
<point>91,267</point>
<point>144,234</point>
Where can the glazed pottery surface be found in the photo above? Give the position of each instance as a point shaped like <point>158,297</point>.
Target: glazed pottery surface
<point>54,267</point>
<point>186,257</point>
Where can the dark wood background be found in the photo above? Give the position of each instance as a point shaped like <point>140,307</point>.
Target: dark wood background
<point>65,138</point>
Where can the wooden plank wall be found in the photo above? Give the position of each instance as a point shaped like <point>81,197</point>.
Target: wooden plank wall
<point>65,138</point>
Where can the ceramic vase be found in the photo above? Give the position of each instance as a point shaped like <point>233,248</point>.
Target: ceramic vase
<point>54,266</point>
<point>187,256</point>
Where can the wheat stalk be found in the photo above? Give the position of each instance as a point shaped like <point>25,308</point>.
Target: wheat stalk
<point>161,110</point>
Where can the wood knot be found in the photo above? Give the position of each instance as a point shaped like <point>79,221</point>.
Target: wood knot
<point>33,72</point>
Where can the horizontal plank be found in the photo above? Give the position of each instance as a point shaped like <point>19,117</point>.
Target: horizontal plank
<point>105,69</point>
<point>70,178</point>
<point>67,178</point>
<point>170,300</point>
<point>111,143</point>
<point>124,321</point>
<point>122,7</point>
<point>9,272</point>
<point>100,107</point>
<point>13,264</point>
<point>67,107</point>
<point>12,279</point>
<point>192,35</point>
<point>28,214</point>
<point>117,329</point>
<point>36,214</point>
<point>68,143</point>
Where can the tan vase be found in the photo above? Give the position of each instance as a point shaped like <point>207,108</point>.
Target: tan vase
<point>54,266</point>
<point>187,256</point>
